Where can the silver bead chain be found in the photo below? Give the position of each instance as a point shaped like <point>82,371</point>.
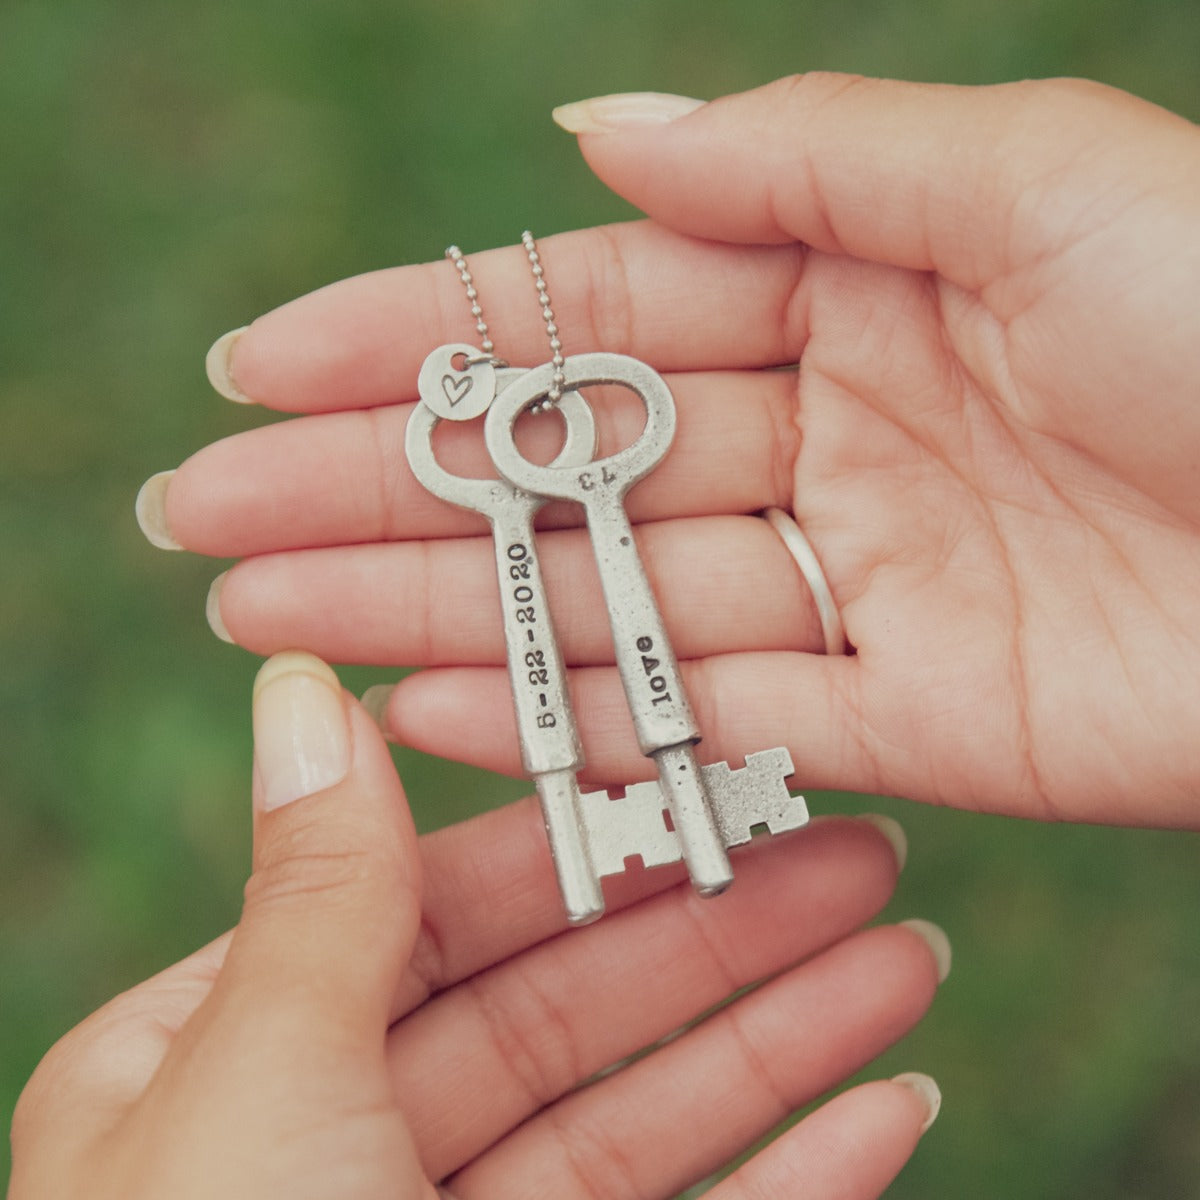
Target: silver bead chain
<point>455,255</point>
<point>535,265</point>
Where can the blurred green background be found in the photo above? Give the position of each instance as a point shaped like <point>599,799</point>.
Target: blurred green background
<point>169,171</point>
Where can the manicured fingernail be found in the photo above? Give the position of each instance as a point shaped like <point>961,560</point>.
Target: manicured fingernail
<point>217,364</point>
<point>301,733</point>
<point>893,831</point>
<point>625,110</point>
<point>212,608</point>
<point>375,701</point>
<point>929,1092</point>
<point>150,508</point>
<point>938,942</point>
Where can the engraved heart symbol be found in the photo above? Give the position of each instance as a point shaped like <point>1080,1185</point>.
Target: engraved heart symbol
<point>455,388</point>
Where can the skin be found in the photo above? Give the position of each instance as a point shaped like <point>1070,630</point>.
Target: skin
<point>991,440</point>
<point>392,1013</point>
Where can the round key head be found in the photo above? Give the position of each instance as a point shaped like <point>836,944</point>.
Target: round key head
<point>486,495</point>
<point>457,382</point>
<point>612,475</point>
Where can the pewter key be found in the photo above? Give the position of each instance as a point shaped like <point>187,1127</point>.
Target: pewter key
<point>546,728</point>
<point>662,717</point>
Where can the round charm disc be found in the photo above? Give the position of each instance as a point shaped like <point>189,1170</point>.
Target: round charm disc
<point>454,385</point>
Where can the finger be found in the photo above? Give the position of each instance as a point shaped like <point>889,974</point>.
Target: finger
<point>727,1081</point>
<point>489,887</point>
<point>809,703</point>
<point>723,583</point>
<point>933,178</point>
<point>491,891</point>
<point>333,904</point>
<point>253,493</point>
<point>679,303</point>
<point>105,1062</point>
<point>531,1033</point>
<point>852,1147</point>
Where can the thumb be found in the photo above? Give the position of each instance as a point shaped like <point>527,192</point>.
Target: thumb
<point>333,905</point>
<point>959,180</point>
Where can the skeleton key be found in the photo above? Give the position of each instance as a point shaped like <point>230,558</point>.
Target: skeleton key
<point>662,717</point>
<point>550,749</point>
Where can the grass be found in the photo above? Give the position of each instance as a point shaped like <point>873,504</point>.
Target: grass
<point>169,172</point>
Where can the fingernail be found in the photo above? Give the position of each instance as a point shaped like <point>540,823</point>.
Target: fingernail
<point>217,364</point>
<point>212,608</point>
<point>893,831</point>
<point>937,941</point>
<point>929,1092</point>
<point>375,701</point>
<point>625,110</point>
<point>301,734</point>
<point>150,508</point>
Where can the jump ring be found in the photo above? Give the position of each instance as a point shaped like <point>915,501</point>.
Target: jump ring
<point>474,360</point>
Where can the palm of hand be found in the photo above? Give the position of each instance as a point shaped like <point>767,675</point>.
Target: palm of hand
<point>1010,536</point>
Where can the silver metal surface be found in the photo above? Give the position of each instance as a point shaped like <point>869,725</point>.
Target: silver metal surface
<point>692,809</point>
<point>546,727</point>
<point>634,826</point>
<point>755,795</point>
<point>456,382</point>
<point>455,255</point>
<point>662,716</point>
<point>566,832</point>
<point>637,825</point>
<point>649,671</point>
<point>554,394</point>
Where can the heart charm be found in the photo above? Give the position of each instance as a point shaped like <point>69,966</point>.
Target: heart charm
<point>451,392</point>
<point>456,388</point>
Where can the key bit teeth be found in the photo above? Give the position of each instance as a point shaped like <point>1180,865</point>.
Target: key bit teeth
<point>756,794</point>
<point>638,823</point>
<point>777,762</point>
<point>632,825</point>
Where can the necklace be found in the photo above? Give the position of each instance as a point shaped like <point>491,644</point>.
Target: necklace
<point>487,349</point>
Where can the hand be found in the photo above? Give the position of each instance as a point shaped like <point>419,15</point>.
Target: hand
<point>348,1040</point>
<point>991,441</point>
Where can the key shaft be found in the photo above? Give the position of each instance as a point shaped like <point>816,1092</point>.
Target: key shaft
<point>658,704</point>
<point>546,726</point>
<point>693,812</point>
